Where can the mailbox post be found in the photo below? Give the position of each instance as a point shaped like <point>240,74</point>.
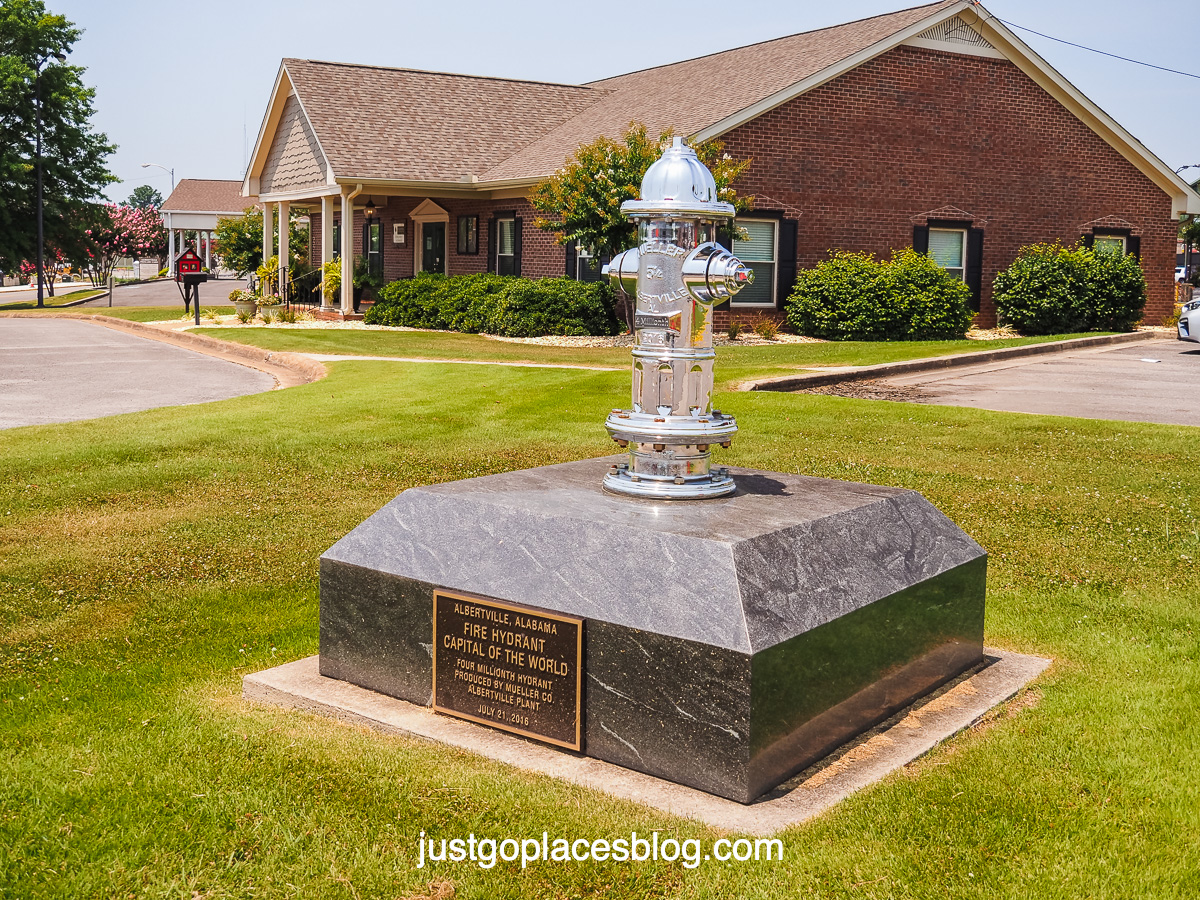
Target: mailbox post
<point>189,274</point>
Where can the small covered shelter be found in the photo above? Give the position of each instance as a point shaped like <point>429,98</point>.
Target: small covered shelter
<point>195,205</point>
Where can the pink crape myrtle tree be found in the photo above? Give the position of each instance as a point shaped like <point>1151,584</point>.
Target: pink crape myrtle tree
<point>54,266</point>
<point>123,231</point>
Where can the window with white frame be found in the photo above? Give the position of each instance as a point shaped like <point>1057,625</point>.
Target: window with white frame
<point>1113,243</point>
<point>587,266</point>
<point>948,248</point>
<point>759,251</point>
<point>506,246</point>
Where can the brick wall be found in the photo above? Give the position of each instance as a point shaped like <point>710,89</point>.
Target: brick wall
<point>863,158</point>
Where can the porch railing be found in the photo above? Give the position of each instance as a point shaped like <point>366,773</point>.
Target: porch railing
<point>304,291</point>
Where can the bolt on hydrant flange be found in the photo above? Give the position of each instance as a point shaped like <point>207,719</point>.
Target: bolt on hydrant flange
<point>675,275</point>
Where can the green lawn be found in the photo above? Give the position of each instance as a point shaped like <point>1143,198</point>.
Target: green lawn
<point>137,313</point>
<point>734,364</point>
<point>147,561</point>
<point>55,303</point>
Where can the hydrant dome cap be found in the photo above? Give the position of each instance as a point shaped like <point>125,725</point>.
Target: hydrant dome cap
<point>678,182</point>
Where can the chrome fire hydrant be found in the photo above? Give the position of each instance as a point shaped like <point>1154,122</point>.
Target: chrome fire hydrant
<point>676,273</point>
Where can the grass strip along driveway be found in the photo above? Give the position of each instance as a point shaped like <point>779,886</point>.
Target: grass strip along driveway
<point>148,561</point>
<point>51,302</point>
<point>735,363</point>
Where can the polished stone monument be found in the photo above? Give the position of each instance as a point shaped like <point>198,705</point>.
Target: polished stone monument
<point>720,628</point>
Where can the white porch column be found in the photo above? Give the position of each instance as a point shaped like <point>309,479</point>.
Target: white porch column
<point>208,249</point>
<point>285,210</point>
<point>327,248</point>
<point>347,255</point>
<point>171,252</point>
<point>268,233</point>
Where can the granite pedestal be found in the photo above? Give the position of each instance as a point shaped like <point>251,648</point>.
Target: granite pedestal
<point>727,643</point>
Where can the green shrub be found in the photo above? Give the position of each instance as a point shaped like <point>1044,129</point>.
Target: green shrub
<point>854,297</point>
<point>1051,289</point>
<point>496,304</point>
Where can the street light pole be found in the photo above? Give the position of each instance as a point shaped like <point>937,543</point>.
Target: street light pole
<point>37,155</point>
<point>165,169</point>
<point>170,231</point>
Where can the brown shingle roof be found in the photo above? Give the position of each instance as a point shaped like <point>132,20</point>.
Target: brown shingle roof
<point>206,195</point>
<point>407,124</point>
<point>696,93</point>
<point>412,125</point>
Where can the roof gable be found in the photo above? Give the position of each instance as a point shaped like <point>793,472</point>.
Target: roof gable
<point>295,158</point>
<point>954,35</point>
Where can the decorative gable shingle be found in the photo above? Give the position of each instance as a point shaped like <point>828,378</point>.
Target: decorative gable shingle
<point>295,160</point>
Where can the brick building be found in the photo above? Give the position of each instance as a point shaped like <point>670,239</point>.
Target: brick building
<point>934,127</point>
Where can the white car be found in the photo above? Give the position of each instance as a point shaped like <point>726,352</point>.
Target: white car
<point>1180,273</point>
<point>1189,322</point>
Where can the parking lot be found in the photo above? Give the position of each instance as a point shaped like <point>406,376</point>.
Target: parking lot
<point>1151,381</point>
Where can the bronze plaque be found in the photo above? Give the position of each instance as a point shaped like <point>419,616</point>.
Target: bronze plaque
<point>509,667</point>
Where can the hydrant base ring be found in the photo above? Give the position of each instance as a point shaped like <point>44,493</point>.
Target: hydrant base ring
<point>706,488</point>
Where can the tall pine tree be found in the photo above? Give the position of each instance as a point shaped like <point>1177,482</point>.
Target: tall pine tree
<point>74,157</point>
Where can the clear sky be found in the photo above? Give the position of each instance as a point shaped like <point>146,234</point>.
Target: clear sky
<point>148,61</point>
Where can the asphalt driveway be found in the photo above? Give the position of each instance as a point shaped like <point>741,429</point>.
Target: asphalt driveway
<point>166,293</point>
<point>1151,381</point>
<point>63,370</point>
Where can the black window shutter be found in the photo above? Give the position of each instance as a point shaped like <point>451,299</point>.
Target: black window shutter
<point>1089,240</point>
<point>921,238</point>
<point>1133,246</point>
<point>491,263</point>
<point>785,271</point>
<point>572,268</point>
<point>974,271</point>
<point>517,246</point>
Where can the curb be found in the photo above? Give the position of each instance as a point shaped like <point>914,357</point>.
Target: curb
<point>288,369</point>
<point>886,370</point>
<point>83,300</point>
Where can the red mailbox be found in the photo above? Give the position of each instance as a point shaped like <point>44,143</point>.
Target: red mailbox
<point>189,268</point>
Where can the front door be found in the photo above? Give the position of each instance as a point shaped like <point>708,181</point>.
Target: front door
<point>433,250</point>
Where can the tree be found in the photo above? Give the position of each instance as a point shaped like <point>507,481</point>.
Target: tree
<point>54,266</point>
<point>73,155</point>
<point>240,240</point>
<point>122,231</point>
<point>145,197</point>
<point>582,200</point>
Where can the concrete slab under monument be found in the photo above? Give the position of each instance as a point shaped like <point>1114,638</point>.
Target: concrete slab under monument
<point>724,644</point>
<point>869,758</point>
